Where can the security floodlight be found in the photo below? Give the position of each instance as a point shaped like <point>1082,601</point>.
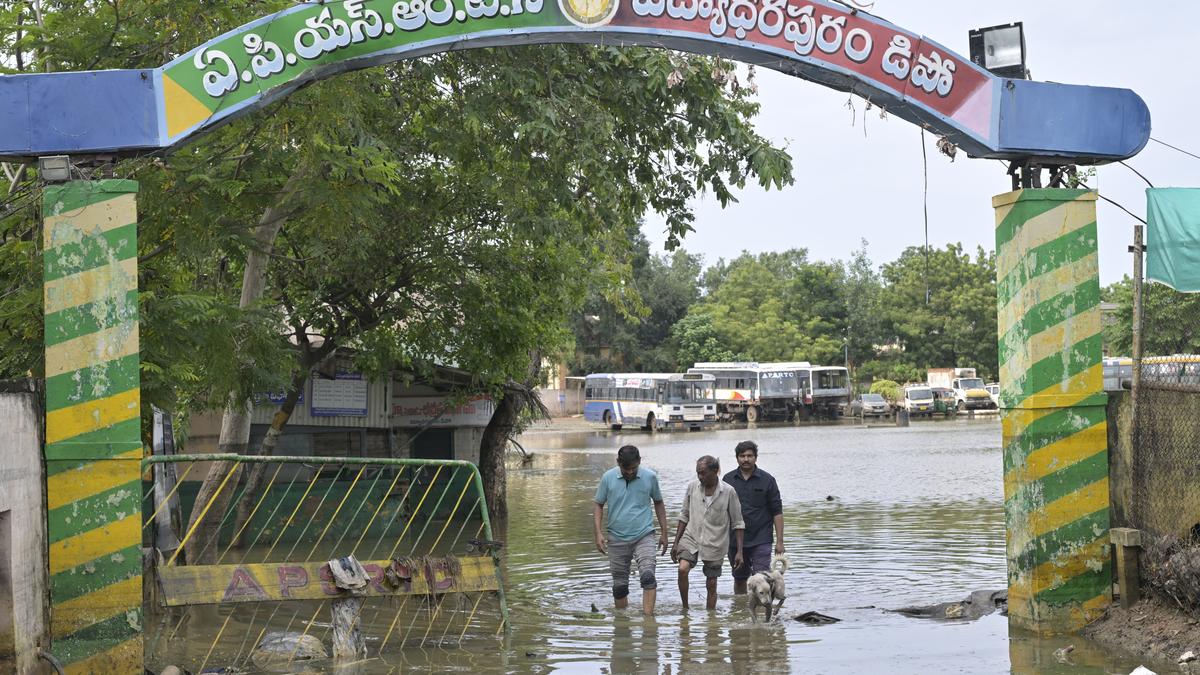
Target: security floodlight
<point>55,168</point>
<point>1000,50</point>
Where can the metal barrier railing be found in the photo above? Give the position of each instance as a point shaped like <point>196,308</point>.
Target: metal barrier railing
<point>1180,372</point>
<point>418,528</point>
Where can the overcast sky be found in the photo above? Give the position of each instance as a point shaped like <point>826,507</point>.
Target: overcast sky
<point>855,181</point>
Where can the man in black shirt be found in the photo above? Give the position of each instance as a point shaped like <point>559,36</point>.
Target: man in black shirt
<point>762,510</point>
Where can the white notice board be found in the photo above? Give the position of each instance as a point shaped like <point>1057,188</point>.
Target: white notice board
<point>343,396</point>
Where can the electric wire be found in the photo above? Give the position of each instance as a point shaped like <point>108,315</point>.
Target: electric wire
<point>1176,149</point>
<point>925,204</point>
<point>1118,205</point>
<point>1139,173</point>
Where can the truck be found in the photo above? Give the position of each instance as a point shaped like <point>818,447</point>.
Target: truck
<point>918,400</point>
<point>970,393</point>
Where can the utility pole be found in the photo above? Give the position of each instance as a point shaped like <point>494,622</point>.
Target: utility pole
<point>1138,249</point>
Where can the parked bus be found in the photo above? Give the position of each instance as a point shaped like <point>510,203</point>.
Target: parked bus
<point>747,391</point>
<point>651,401</point>
<point>822,391</point>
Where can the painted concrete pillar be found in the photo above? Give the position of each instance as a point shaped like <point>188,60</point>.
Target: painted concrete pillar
<point>93,431</point>
<point>1052,408</point>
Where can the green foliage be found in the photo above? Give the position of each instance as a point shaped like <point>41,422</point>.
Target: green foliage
<point>696,340</point>
<point>888,389</point>
<point>635,326</point>
<point>457,208</point>
<point>784,307</point>
<point>778,307</point>
<point>1169,324</point>
<point>891,366</point>
<point>940,310</point>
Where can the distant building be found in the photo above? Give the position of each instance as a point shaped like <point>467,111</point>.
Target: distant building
<point>1108,317</point>
<point>402,416</point>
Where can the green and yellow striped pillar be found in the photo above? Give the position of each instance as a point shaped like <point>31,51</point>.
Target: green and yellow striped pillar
<point>1053,409</point>
<point>93,438</point>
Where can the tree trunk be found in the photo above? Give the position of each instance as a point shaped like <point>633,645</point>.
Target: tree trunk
<point>499,430</point>
<point>269,442</point>
<point>491,454</point>
<point>235,423</point>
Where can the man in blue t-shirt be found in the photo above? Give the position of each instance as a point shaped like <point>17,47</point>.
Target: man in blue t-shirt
<point>628,490</point>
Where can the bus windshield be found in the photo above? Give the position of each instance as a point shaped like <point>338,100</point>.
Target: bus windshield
<point>778,384</point>
<point>688,392</point>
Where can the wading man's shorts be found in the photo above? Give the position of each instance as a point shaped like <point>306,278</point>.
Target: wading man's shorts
<point>756,558</point>
<point>621,555</point>
<point>712,568</point>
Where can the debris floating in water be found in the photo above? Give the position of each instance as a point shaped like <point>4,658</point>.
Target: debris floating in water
<point>979,604</point>
<point>1064,655</point>
<point>816,619</point>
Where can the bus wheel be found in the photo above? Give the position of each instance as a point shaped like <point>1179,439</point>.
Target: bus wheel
<point>650,426</point>
<point>752,413</point>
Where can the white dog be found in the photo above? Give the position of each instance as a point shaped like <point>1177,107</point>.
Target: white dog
<point>766,588</point>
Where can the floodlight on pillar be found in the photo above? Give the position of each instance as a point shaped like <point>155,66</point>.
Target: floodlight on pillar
<point>54,168</point>
<point>1000,50</point>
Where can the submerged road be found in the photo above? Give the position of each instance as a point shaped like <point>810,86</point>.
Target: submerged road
<point>916,518</point>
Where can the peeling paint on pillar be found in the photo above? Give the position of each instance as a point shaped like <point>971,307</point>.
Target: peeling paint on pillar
<point>1053,409</point>
<point>93,435</point>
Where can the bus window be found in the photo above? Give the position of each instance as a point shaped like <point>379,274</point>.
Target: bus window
<point>587,393</point>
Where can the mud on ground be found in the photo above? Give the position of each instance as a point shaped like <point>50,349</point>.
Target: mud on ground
<point>1154,628</point>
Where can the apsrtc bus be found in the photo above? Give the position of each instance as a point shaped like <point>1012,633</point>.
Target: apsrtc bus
<point>821,391</point>
<point>747,390</point>
<point>651,401</point>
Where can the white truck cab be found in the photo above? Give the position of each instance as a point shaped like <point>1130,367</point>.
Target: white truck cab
<point>970,393</point>
<point>918,400</point>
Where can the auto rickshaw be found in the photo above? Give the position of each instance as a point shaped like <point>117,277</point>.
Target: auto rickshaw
<point>943,401</point>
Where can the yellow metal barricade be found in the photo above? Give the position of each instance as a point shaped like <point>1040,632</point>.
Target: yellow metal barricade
<point>250,582</point>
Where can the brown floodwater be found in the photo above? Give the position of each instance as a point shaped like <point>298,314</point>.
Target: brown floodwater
<point>916,517</point>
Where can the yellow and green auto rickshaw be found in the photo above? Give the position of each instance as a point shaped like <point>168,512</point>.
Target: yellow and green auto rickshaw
<point>943,401</point>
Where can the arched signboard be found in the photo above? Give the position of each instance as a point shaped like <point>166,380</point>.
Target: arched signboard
<point>909,75</point>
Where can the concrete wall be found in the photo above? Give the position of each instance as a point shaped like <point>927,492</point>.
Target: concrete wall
<point>23,596</point>
<point>1120,457</point>
<point>562,402</point>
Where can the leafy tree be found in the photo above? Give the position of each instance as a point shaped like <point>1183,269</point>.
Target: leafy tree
<point>778,307</point>
<point>862,288</point>
<point>696,340</point>
<point>636,325</point>
<point>941,310</point>
<point>1169,323</point>
<point>888,389</point>
<point>453,208</point>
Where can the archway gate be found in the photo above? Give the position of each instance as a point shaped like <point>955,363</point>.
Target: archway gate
<point>1055,456</point>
